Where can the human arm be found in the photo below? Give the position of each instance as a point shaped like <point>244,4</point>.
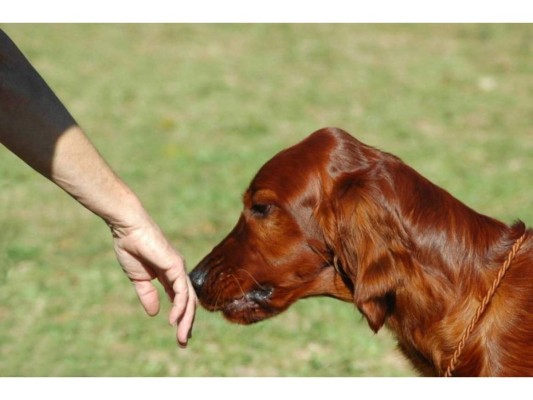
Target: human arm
<point>36,126</point>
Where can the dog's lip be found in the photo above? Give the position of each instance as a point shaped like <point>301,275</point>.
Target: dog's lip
<point>252,299</point>
<point>260,295</point>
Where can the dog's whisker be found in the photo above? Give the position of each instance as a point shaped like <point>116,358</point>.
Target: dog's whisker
<point>251,276</point>
<point>238,284</point>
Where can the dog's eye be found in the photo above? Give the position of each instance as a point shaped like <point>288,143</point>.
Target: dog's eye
<point>260,210</point>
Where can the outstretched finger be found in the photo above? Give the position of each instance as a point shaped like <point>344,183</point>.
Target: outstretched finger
<point>186,322</point>
<point>181,290</point>
<point>167,286</point>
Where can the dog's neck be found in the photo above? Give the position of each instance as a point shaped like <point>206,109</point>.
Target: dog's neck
<point>453,255</point>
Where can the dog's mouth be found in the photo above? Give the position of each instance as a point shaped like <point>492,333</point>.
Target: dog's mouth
<point>252,307</point>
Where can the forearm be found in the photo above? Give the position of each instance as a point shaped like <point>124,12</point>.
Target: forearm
<point>78,168</point>
<point>36,126</point>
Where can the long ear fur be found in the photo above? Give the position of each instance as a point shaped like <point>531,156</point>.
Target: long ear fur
<point>362,229</point>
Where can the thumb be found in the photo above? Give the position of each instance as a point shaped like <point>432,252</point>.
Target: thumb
<point>148,296</point>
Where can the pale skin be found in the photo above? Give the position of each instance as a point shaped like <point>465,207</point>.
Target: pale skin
<point>37,127</point>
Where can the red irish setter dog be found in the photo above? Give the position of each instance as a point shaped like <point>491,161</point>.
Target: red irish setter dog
<point>332,216</point>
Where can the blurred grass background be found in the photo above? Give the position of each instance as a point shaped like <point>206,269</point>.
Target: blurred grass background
<point>186,114</point>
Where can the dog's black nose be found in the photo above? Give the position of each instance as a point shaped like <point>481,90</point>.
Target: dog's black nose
<point>197,277</point>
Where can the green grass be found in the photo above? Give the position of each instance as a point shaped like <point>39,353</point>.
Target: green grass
<point>186,114</point>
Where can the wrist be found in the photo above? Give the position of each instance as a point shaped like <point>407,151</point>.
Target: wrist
<point>128,215</point>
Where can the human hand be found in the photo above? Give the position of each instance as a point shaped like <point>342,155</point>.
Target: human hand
<point>145,254</point>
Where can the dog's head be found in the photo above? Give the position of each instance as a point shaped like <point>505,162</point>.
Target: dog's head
<point>276,254</point>
<point>282,248</point>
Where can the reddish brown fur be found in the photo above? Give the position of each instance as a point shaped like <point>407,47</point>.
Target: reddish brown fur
<point>332,216</point>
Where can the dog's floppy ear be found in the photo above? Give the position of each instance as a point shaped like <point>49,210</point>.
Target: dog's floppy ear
<point>361,225</point>
<point>375,286</point>
<point>365,235</point>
